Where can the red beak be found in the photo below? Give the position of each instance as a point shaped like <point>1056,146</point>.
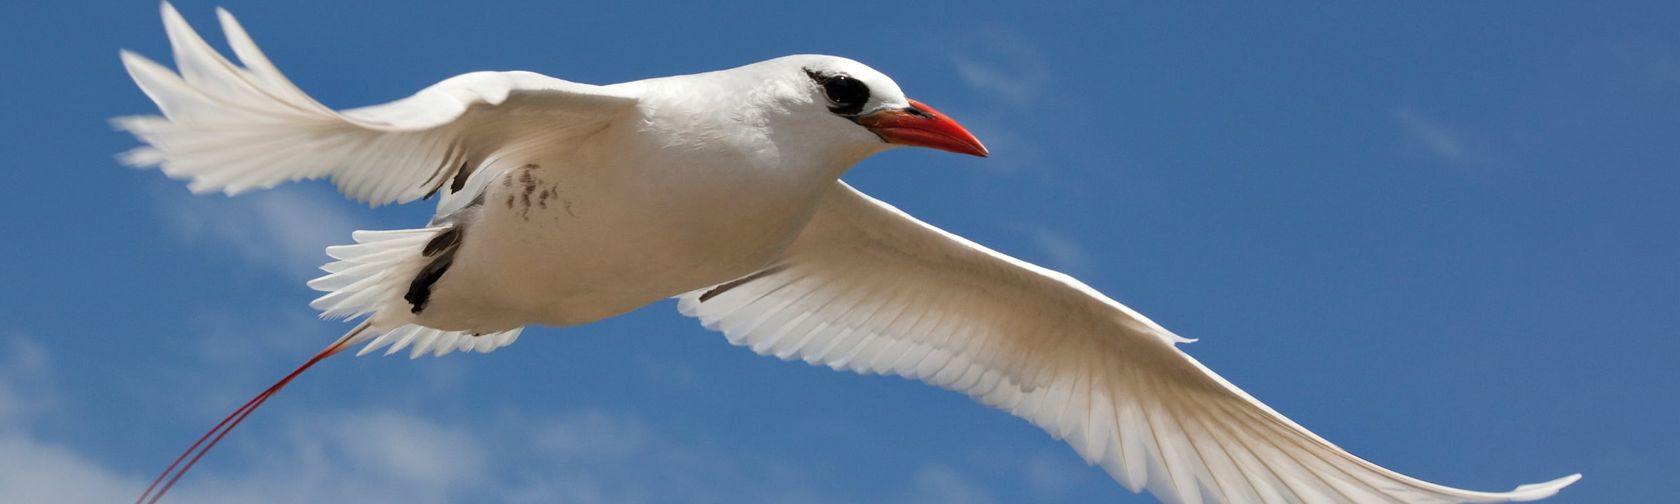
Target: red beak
<point>922,126</point>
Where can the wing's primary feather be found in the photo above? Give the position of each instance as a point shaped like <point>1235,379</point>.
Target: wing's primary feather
<point>870,289</point>
<point>233,128</point>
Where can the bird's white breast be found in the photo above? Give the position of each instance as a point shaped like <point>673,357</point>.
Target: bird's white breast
<point>652,206</point>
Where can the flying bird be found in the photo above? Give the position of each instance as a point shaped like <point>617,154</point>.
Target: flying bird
<point>562,203</point>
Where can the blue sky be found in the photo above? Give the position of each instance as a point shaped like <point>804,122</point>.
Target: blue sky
<point>1442,236</point>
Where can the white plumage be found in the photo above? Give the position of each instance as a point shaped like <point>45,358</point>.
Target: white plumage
<point>872,290</point>
<point>563,203</point>
<point>233,129</point>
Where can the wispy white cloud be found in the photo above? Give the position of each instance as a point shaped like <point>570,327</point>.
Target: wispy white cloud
<point>32,470</point>
<point>1651,66</point>
<point>364,456</point>
<point>1064,252</point>
<point>358,456</point>
<point>938,483</point>
<point>284,229</point>
<point>24,372</point>
<point>371,456</point>
<point>1436,138</point>
<point>1009,76</point>
<point>239,336</point>
<point>223,342</point>
<point>393,457</point>
<point>677,374</point>
<point>1052,477</point>
<point>384,456</point>
<point>1004,66</point>
<point>402,448</point>
<point>380,455</point>
<point>594,455</point>
<point>1056,250</point>
<point>37,471</point>
<point>593,435</point>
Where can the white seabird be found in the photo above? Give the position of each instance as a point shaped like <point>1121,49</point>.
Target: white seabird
<point>563,203</point>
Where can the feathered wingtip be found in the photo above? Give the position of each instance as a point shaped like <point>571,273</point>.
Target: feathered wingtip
<point>217,116</point>
<point>1537,491</point>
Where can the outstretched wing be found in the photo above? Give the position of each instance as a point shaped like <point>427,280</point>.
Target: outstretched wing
<point>235,128</point>
<point>870,289</point>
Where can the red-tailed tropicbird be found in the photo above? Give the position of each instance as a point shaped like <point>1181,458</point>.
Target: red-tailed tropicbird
<point>563,203</point>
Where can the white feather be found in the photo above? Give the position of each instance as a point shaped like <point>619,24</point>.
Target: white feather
<point>849,295</point>
<point>233,128</point>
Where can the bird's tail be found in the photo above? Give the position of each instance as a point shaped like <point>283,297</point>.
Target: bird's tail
<point>176,469</point>
<point>357,285</point>
<point>369,278</point>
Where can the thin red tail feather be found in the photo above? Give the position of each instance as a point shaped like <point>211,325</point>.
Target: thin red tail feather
<point>209,439</point>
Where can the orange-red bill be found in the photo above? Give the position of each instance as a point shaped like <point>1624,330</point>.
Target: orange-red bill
<point>921,126</point>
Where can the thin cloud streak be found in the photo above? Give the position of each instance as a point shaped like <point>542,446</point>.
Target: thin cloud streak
<point>1065,253</point>
<point>1439,140</point>
<point>1051,477</point>
<point>37,471</point>
<point>32,470</point>
<point>24,372</point>
<point>1054,249</point>
<point>285,230</point>
<point>388,456</point>
<point>1005,66</point>
<point>1011,76</point>
<point>938,483</point>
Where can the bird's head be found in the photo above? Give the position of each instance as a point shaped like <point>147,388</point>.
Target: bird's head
<point>839,89</point>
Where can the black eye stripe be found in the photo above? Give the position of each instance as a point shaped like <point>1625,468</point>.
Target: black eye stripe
<point>846,95</point>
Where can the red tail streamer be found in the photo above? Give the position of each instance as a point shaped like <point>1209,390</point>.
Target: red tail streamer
<point>209,439</point>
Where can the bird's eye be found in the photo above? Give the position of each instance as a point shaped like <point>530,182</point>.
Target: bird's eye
<point>846,92</point>
<point>846,96</point>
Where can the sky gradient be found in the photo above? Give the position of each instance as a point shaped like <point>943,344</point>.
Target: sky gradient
<point>1442,236</point>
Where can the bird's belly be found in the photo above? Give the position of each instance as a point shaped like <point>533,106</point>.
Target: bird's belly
<point>552,249</point>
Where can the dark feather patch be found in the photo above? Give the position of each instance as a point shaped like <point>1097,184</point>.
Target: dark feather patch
<point>448,239</point>
<point>420,290</point>
<point>442,174</point>
<point>461,176</point>
<point>530,187</point>
<point>443,246</point>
